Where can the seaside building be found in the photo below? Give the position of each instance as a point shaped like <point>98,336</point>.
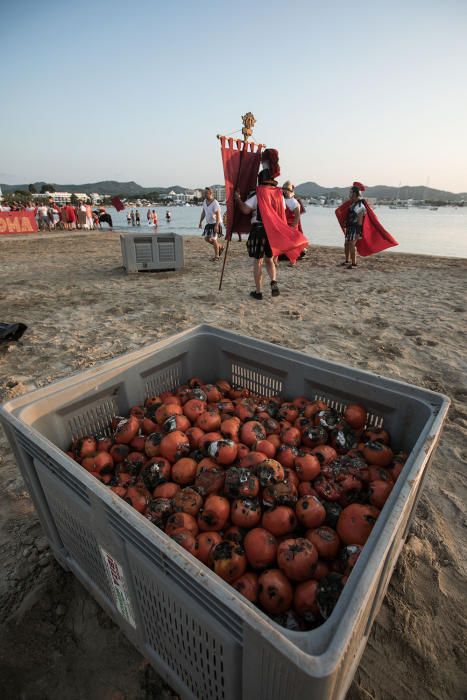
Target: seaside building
<point>219,192</point>
<point>61,198</point>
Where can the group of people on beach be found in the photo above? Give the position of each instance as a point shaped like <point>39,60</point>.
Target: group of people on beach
<point>289,208</point>
<point>68,217</point>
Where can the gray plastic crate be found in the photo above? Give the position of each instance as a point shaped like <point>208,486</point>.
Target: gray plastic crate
<point>203,637</point>
<point>151,251</point>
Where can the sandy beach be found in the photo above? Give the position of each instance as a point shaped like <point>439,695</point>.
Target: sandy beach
<point>402,316</point>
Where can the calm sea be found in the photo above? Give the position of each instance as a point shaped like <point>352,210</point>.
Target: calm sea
<point>441,232</point>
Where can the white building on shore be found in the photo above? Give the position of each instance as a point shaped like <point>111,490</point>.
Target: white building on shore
<point>219,192</point>
<point>61,198</point>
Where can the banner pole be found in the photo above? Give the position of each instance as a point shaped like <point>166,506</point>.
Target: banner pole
<point>247,130</point>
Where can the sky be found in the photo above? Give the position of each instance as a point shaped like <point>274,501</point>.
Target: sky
<point>112,90</point>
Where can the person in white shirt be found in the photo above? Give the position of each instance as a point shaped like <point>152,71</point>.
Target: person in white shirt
<point>42,216</point>
<point>292,211</point>
<point>213,229</point>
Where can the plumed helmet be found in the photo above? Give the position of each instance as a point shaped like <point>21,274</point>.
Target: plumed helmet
<point>358,187</point>
<point>271,156</point>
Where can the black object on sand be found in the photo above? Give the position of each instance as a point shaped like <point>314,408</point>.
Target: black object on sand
<point>11,331</point>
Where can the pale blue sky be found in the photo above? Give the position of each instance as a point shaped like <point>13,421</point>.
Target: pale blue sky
<point>374,91</point>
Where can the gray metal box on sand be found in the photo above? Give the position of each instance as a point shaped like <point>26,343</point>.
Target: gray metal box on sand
<point>151,251</point>
<point>202,636</point>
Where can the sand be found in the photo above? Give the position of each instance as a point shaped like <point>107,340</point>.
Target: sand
<point>399,315</point>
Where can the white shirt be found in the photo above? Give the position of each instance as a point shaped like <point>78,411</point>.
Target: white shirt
<point>359,207</point>
<point>210,210</point>
<point>291,203</point>
<point>252,202</point>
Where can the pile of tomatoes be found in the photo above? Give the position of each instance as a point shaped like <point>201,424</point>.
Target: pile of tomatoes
<point>277,497</point>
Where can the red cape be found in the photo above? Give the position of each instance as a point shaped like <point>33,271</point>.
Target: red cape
<point>283,239</point>
<point>375,237</point>
<point>290,216</point>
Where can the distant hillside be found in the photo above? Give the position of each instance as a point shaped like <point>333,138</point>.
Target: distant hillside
<point>107,187</point>
<point>305,189</point>
<point>312,189</point>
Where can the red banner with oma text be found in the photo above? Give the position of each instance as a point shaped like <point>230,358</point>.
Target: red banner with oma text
<point>17,222</point>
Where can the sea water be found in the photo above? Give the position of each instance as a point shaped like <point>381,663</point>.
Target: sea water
<point>442,232</point>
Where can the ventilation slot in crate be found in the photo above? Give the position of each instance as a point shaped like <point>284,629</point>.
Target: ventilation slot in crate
<point>80,543</point>
<point>166,379</point>
<point>65,477</point>
<point>56,469</point>
<point>256,381</point>
<point>143,250</point>
<point>187,648</point>
<point>95,420</point>
<point>182,579</point>
<point>277,680</point>
<point>372,420</point>
<point>166,250</point>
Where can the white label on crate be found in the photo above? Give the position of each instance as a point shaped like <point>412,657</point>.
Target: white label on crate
<point>119,587</point>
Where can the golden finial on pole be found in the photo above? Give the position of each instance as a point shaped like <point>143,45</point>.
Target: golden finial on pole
<point>248,123</point>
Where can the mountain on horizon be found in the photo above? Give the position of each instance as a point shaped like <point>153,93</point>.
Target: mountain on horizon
<point>305,189</point>
<point>419,192</point>
<point>104,187</point>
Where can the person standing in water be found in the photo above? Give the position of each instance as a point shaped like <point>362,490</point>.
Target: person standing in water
<point>132,216</point>
<point>149,216</point>
<point>137,218</point>
<point>213,229</point>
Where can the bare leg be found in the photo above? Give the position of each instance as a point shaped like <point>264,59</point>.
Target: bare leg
<point>258,273</point>
<point>353,255</point>
<point>347,251</point>
<point>271,269</point>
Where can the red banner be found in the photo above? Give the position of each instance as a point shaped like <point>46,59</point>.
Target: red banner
<point>17,222</point>
<point>118,204</point>
<point>241,165</point>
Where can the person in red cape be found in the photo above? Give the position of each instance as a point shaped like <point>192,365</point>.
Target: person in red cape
<point>363,232</point>
<point>293,211</point>
<point>270,235</point>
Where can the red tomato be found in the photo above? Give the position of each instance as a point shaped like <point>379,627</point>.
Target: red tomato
<point>260,548</point>
<point>275,593</point>
<point>356,523</point>
<point>247,585</point>
<point>280,521</point>
<point>326,541</point>
<point>310,511</point>
<point>379,492</point>
<point>297,558</point>
<point>229,560</point>
<point>307,467</point>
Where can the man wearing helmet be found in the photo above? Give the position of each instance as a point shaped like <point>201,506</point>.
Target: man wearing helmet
<point>353,225</point>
